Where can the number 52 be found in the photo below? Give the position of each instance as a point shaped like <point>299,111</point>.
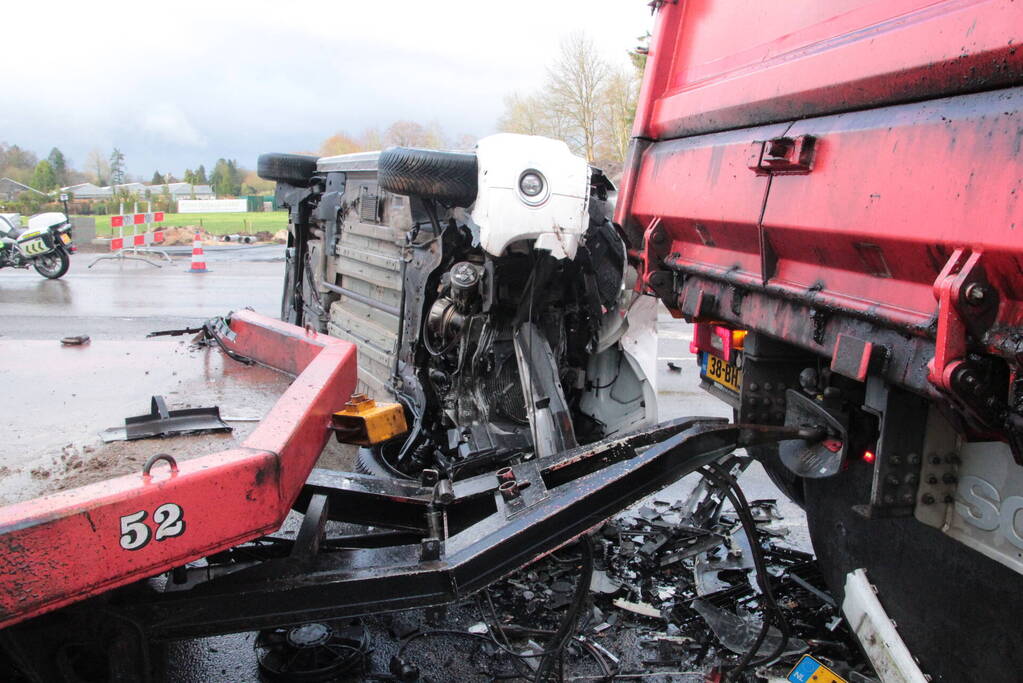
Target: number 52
<point>136,534</point>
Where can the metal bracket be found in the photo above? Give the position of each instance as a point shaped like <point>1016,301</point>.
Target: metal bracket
<point>783,156</point>
<point>961,287</point>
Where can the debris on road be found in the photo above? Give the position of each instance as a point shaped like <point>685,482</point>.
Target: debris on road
<point>76,340</point>
<point>161,422</point>
<point>673,588</point>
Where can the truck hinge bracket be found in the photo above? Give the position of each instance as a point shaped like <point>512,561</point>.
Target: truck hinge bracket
<point>966,302</point>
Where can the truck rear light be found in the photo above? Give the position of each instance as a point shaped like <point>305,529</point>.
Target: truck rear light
<point>717,340</point>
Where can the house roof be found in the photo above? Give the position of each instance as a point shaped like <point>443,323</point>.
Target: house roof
<point>92,191</point>
<point>8,185</point>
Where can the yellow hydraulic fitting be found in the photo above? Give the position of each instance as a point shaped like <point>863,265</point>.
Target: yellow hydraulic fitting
<point>365,422</point>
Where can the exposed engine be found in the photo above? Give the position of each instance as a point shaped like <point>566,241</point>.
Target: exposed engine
<point>518,330</point>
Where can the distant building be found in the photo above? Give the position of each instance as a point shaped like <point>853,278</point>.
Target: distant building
<point>11,189</point>
<point>89,191</point>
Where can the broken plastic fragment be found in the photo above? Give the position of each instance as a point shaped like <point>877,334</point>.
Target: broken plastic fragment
<point>738,634</point>
<point>641,608</point>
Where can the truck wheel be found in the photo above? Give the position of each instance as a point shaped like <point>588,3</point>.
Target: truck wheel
<point>293,169</point>
<point>953,606</point>
<point>447,177</point>
<point>52,265</point>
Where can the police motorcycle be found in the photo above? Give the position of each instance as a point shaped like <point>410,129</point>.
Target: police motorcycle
<point>45,244</point>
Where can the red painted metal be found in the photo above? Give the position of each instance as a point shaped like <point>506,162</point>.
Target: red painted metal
<point>718,65</point>
<point>65,547</point>
<point>914,109</point>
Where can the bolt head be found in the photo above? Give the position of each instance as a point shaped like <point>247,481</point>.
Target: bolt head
<point>976,293</point>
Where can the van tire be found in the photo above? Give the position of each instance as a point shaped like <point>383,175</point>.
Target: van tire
<point>446,177</point>
<point>293,169</point>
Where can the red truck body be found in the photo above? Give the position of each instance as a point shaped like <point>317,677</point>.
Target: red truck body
<point>841,182</point>
<point>823,172</point>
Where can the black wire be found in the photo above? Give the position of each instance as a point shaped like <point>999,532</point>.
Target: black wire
<point>582,593</point>
<point>738,499</point>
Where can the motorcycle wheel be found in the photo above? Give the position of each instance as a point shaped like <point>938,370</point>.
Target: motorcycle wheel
<point>52,265</point>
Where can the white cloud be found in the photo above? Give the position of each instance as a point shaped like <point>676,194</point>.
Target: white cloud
<point>177,85</point>
<point>168,123</point>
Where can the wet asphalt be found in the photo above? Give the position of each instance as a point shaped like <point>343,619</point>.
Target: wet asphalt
<point>125,300</point>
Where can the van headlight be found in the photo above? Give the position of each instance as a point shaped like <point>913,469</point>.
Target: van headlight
<point>532,187</point>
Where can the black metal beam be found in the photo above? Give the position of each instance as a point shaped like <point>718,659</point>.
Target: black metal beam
<point>572,493</point>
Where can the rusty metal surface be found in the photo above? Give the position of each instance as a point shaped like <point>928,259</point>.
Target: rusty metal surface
<point>73,544</point>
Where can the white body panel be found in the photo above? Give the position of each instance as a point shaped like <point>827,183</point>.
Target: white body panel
<point>557,219</point>
<point>876,632</point>
<point>42,221</point>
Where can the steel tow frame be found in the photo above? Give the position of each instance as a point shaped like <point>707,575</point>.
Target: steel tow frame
<point>440,543</point>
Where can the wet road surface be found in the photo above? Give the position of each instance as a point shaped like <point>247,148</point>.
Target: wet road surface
<point>126,300</point>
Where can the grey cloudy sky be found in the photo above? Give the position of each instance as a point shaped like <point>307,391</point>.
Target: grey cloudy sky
<point>175,84</point>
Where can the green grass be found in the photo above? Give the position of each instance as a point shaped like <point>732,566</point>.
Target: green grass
<point>214,223</point>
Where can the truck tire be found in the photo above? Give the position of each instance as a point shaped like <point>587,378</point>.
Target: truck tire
<point>953,606</point>
<point>447,177</point>
<point>293,169</point>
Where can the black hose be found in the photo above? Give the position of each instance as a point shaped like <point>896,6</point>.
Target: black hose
<point>738,499</point>
<point>564,633</point>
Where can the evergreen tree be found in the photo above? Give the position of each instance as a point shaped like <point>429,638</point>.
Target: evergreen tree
<point>44,178</point>
<point>117,172</point>
<point>157,179</point>
<point>59,164</point>
<point>200,176</point>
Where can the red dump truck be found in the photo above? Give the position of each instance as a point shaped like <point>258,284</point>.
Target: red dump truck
<point>831,191</point>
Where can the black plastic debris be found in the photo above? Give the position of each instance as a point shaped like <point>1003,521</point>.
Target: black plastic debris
<point>672,590</point>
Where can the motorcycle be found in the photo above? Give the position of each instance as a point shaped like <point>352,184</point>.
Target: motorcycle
<point>45,245</point>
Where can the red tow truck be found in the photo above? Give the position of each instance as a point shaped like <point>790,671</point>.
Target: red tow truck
<point>832,193</point>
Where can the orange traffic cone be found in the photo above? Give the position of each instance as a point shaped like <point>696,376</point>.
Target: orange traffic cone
<point>198,258</point>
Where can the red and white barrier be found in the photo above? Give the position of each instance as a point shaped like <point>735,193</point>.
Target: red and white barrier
<point>127,219</point>
<point>141,240</point>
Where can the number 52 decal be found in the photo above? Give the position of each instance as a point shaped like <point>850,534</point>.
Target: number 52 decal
<point>169,519</point>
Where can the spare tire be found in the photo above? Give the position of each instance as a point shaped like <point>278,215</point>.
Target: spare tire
<point>447,177</point>
<point>294,169</point>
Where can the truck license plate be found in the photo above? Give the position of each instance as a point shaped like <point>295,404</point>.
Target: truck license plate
<point>721,372</point>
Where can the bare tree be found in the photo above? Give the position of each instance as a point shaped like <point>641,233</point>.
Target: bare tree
<point>575,83</point>
<point>371,139</point>
<point>412,134</point>
<point>97,165</point>
<point>619,108</point>
<point>525,114</point>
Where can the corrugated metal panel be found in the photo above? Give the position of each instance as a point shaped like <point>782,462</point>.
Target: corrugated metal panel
<point>368,262</point>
